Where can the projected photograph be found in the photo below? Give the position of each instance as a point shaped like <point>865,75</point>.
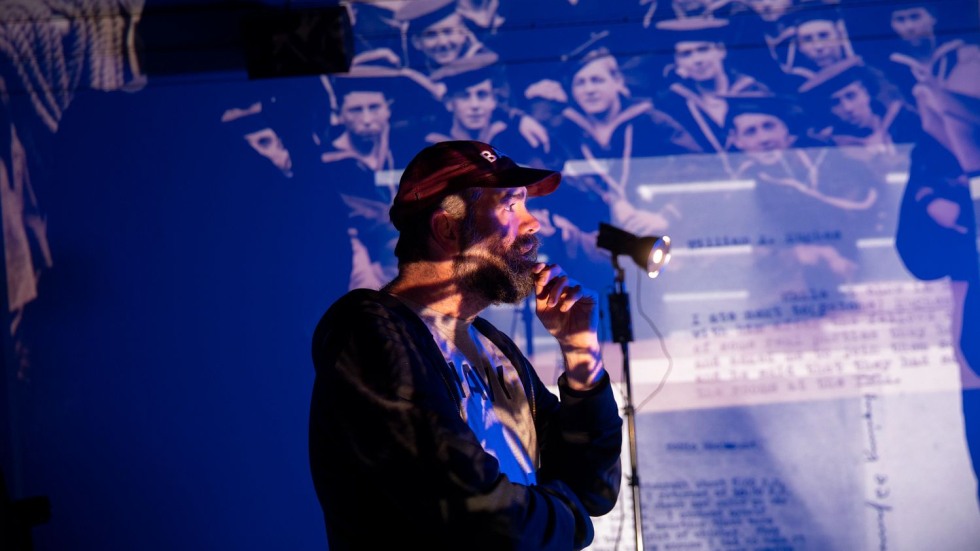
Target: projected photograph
<point>803,374</point>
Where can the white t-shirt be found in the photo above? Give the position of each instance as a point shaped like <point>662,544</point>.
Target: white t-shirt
<point>494,403</point>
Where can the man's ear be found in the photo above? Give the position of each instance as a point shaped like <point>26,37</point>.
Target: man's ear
<point>417,42</point>
<point>445,232</point>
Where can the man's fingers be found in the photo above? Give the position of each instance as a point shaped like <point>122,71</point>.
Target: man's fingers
<point>541,278</point>
<point>553,289</point>
<point>570,297</point>
<point>544,274</point>
<point>532,140</point>
<point>561,294</point>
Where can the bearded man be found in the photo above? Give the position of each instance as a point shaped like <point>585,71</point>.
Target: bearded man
<point>425,415</point>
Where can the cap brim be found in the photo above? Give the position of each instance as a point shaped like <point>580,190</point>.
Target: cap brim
<point>397,85</point>
<point>539,182</point>
<point>691,24</point>
<point>420,8</point>
<point>834,76</point>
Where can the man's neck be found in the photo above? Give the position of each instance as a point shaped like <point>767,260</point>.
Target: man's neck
<point>712,86</point>
<point>364,146</point>
<point>433,284</point>
<point>460,132</point>
<point>607,116</point>
<point>921,49</point>
<point>372,151</point>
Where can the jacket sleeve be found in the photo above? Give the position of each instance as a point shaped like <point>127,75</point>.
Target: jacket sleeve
<point>581,442</point>
<point>383,412</point>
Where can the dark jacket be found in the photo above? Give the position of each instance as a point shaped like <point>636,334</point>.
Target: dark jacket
<point>396,467</point>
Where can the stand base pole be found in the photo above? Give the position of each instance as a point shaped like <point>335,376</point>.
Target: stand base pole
<point>634,479</point>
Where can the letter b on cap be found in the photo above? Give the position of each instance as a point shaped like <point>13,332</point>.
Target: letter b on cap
<point>488,155</point>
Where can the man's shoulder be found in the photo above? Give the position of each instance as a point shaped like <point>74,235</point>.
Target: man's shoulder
<point>362,311</point>
<point>367,301</point>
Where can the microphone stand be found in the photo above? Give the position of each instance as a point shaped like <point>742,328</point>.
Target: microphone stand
<point>622,332</point>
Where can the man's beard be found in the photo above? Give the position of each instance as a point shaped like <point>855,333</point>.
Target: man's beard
<point>499,274</point>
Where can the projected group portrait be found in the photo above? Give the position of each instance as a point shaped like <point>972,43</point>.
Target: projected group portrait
<point>807,366</point>
<point>809,159</point>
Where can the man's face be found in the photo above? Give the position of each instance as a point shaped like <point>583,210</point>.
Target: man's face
<point>499,247</point>
<point>699,60</point>
<point>442,42</point>
<point>473,106</point>
<point>820,42</point>
<point>762,136</point>
<point>267,143</point>
<point>365,114</point>
<point>852,104</point>
<point>595,89</point>
<point>770,10</point>
<point>913,25</point>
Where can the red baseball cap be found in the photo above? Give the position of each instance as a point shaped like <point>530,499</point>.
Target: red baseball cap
<point>448,167</point>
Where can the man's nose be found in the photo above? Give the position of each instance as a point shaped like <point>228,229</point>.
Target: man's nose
<point>531,223</point>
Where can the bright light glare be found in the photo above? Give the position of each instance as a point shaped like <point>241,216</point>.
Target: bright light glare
<point>658,257</point>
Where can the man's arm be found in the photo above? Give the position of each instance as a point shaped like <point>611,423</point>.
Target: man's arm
<point>582,442</point>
